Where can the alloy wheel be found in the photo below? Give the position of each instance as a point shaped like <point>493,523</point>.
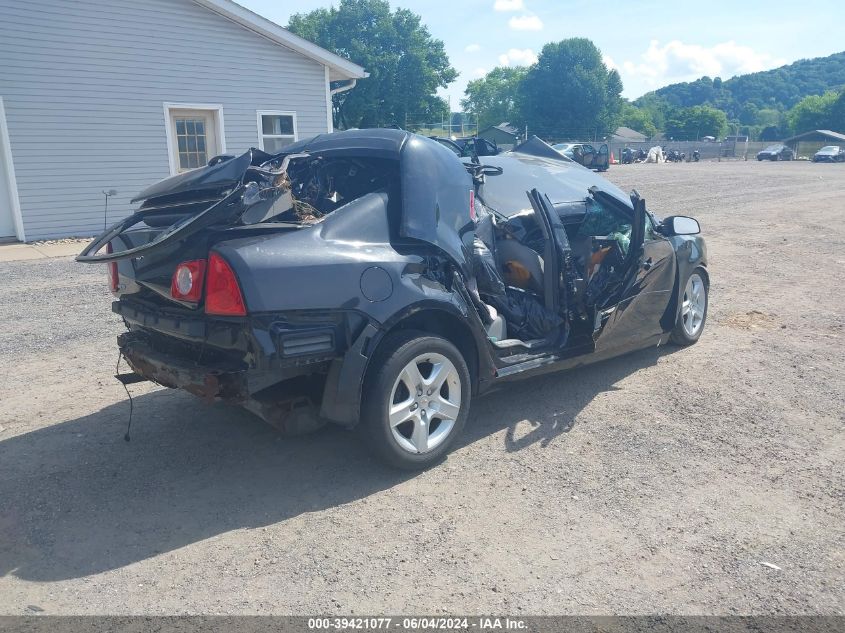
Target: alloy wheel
<point>424,403</point>
<point>694,305</point>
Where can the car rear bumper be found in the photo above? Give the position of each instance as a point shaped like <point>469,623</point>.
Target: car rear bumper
<point>205,381</point>
<point>261,362</point>
<point>261,342</point>
<point>291,405</point>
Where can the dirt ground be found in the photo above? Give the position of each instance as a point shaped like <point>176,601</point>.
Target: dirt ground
<point>706,480</point>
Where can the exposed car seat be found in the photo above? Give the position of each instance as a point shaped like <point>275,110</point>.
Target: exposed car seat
<point>497,330</point>
<point>521,266</point>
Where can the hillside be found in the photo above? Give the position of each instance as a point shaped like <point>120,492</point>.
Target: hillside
<point>780,88</point>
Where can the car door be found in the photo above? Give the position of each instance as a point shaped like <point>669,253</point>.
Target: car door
<point>558,253</point>
<point>589,156</point>
<point>602,160</point>
<point>646,291</point>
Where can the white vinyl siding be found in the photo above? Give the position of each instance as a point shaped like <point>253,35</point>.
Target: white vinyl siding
<point>84,85</point>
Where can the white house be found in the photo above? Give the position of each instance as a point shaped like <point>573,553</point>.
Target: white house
<point>101,95</point>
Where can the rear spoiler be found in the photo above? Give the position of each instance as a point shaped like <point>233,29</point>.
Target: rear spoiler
<point>179,231</point>
<point>229,209</point>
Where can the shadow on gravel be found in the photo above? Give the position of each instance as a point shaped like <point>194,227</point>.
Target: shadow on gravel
<point>550,403</point>
<point>78,500</point>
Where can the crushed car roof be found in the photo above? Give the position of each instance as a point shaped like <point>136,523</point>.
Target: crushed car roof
<point>435,186</point>
<point>379,143</point>
<point>560,179</point>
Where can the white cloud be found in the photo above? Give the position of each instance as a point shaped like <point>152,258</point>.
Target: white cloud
<point>478,73</point>
<point>677,61</point>
<point>608,61</point>
<point>526,23</point>
<point>518,57</point>
<point>473,48</point>
<point>508,5</point>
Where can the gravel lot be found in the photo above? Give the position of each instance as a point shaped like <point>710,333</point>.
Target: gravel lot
<point>707,480</point>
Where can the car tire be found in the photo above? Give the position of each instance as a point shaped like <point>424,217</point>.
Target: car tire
<point>692,313</point>
<point>420,434</point>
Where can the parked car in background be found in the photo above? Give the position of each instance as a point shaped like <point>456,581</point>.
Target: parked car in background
<point>830,154</point>
<point>372,278</point>
<point>586,155</point>
<point>778,151</point>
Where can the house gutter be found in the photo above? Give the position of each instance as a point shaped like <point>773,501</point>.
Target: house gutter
<point>347,86</point>
<point>330,92</point>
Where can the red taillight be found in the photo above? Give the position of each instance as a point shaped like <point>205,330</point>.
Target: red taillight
<point>186,284</point>
<point>114,281</point>
<point>222,293</point>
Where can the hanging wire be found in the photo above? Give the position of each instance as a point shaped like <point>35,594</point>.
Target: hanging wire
<point>128,395</point>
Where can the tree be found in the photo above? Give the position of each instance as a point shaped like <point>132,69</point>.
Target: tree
<point>406,64</point>
<point>493,98</point>
<point>690,124</point>
<point>570,93</point>
<point>771,133</point>
<point>656,108</point>
<point>780,88</point>
<point>813,113</point>
<point>638,119</point>
<point>837,114</point>
<point>769,124</point>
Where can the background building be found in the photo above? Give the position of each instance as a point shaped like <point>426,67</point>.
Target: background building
<point>100,95</point>
<point>809,143</point>
<point>504,135</point>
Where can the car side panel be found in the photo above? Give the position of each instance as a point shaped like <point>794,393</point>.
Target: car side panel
<point>349,262</point>
<point>645,298</point>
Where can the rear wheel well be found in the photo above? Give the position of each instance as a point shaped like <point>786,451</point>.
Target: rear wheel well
<point>448,326</point>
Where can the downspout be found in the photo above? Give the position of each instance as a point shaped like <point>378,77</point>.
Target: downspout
<point>344,87</point>
<point>349,85</point>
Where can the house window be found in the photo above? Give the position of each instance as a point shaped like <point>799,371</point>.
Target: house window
<point>191,137</point>
<point>194,135</point>
<point>276,130</point>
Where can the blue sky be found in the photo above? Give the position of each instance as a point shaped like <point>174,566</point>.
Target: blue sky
<point>651,42</point>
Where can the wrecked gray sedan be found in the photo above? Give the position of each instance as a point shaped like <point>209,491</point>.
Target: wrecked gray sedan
<point>374,279</point>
